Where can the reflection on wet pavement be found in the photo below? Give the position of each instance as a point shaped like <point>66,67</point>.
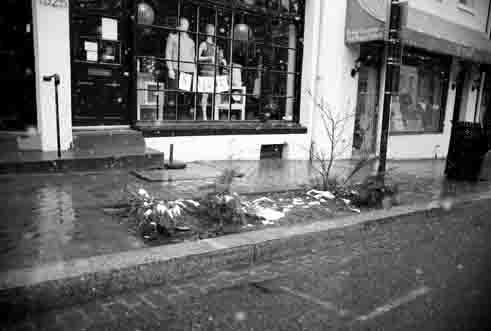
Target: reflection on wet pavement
<point>55,217</point>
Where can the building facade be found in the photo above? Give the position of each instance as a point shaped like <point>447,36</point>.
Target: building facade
<point>225,79</point>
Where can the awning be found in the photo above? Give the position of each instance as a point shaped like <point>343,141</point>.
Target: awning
<point>366,22</point>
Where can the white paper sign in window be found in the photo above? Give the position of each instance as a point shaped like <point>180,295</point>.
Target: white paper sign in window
<point>222,84</point>
<point>185,81</point>
<point>109,29</point>
<point>205,84</point>
<point>90,46</point>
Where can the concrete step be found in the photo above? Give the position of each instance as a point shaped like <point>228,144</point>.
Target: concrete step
<point>93,150</point>
<point>107,141</point>
<point>8,143</point>
<point>48,162</point>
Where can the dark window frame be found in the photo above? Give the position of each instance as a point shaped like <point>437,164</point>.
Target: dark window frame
<point>232,8</point>
<point>445,60</point>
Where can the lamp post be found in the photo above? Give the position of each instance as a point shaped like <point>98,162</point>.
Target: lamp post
<point>56,79</point>
<point>393,51</point>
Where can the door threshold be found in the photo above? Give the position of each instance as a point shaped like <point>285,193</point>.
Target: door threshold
<point>101,128</point>
<point>13,133</point>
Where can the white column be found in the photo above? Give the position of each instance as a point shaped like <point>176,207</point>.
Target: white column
<point>469,97</point>
<point>334,82</point>
<point>52,55</point>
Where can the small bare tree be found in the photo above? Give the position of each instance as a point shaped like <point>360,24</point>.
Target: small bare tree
<point>334,125</point>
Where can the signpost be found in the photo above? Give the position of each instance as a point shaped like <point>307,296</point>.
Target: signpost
<point>393,47</point>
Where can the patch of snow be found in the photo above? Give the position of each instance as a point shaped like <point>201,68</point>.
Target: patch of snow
<point>298,202</point>
<point>194,203</point>
<point>321,194</point>
<point>143,193</point>
<point>356,210</point>
<point>263,199</point>
<point>269,214</point>
<point>161,208</point>
<point>314,203</point>
<point>266,222</point>
<point>346,201</point>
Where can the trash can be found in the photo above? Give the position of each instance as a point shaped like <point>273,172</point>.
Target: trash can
<point>468,145</point>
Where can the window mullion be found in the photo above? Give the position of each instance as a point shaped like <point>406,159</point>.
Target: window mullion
<point>230,63</point>
<point>213,101</point>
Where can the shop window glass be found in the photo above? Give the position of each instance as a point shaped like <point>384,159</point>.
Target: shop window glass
<point>96,43</point>
<point>203,62</point>
<point>422,93</point>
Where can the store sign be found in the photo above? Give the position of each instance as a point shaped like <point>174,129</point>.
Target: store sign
<point>54,3</point>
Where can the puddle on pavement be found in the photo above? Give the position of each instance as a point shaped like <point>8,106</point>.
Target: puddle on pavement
<point>52,223</point>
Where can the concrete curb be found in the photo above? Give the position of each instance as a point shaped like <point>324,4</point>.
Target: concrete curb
<point>97,163</point>
<point>80,280</point>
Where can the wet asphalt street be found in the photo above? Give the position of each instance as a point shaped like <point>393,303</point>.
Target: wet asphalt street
<point>432,274</point>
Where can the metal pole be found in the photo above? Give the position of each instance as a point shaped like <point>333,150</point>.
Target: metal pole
<point>56,78</point>
<point>393,47</point>
<point>57,82</point>
<point>171,153</point>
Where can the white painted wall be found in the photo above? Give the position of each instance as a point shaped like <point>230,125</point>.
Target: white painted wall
<point>233,147</point>
<point>310,61</point>
<point>450,10</point>
<point>334,82</point>
<point>52,55</point>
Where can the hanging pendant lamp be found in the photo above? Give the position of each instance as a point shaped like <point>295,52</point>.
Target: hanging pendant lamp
<point>145,14</point>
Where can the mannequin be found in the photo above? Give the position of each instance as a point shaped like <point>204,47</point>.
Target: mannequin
<point>180,47</point>
<point>180,50</point>
<point>206,53</point>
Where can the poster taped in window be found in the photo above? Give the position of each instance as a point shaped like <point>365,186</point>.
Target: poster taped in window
<point>109,28</point>
<point>185,81</point>
<point>222,84</point>
<point>205,84</point>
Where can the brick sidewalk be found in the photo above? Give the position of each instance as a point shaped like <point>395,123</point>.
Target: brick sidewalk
<point>58,217</point>
<point>151,308</point>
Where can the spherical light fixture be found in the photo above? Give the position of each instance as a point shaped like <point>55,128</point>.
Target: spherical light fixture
<point>242,32</point>
<point>145,14</point>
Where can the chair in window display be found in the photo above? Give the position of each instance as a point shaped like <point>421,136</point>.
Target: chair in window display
<point>150,91</point>
<point>238,98</point>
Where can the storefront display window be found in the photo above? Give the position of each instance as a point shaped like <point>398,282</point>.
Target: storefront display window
<point>197,60</point>
<point>422,93</point>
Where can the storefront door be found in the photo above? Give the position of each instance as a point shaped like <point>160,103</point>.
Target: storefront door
<point>17,79</point>
<point>100,62</point>
<point>365,135</point>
